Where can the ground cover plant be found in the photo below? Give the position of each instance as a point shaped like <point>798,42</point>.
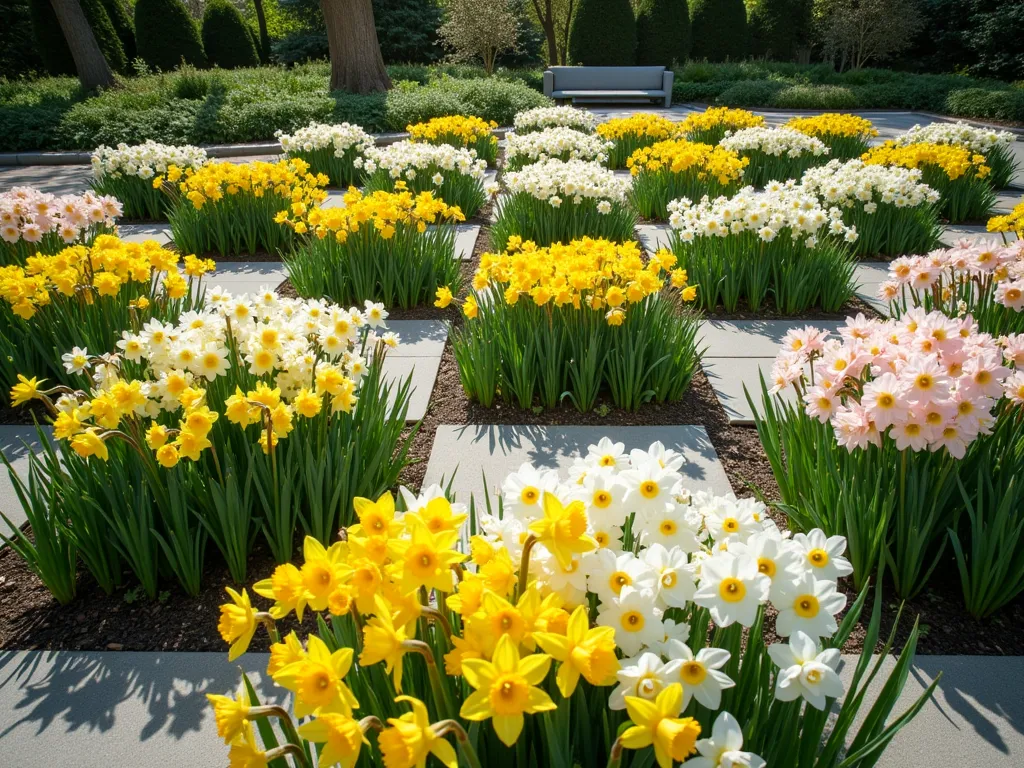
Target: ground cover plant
<point>910,431</point>
<point>994,145</point>
<point>669,170</point>
<point>238,208</point>
<point>390,247</point>
<point>890,208</point>
<point>962,178</point>
<point>846,136</point>
<point>127,173</point>
<point>541,643</point>
<point>775,154</point>
<point>456,175</point>
<point>631,133</point>
<point>558,143</point>
<point>459,131</point>
<point>779,244</point>
<point>555,201</point>
<point>329,149</point>
<point>574,321</point>
<point>250,416</point>
<point>34,222</point>
<point>58,307</point>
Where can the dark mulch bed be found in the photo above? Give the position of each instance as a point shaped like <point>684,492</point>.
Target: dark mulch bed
<point>33,412</point>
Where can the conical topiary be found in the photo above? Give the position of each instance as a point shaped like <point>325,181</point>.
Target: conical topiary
<point>603,33</point>
<point>53,48</point>
<point>227,40</point>
<point>718,29</point>
<point>121,18</point>
<point>662,32</point>
<point>166,35</point>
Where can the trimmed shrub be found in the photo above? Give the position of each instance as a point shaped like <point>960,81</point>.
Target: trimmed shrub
<point>815,97</point>
<point>662,32</point>
<point>603,33</point>
<point>996,105</point>
<point>407,29</point>
<point>227,40</point>
<point>750,93</point>
<point>121,20</point>
<point>166,35</point>
<point>779,27</point>
<point>53,48</point>
<point>718,29</point>
<point>106,34</point>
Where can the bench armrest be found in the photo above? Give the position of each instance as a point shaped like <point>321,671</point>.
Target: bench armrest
<point>667,77</point>
<point>549,82</point>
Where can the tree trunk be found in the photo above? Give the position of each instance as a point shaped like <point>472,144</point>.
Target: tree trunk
<point>547,23</point>
<point>261,22</point>
<point>356,63</point>
<point>92,67</point>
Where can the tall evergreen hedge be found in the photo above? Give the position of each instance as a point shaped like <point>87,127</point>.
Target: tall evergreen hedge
<point>227,40</point>
<point>778,28</point>
<point>603,33</point>
<point>165,35</point>
<point>121,19</point>
<point>719,29</point>
<point>662,32</point>
<point>53,48</point>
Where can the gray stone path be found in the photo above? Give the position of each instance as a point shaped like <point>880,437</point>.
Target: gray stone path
<point>869,276</point>
<point>418,353</point>
<point>58,179</point>
<point>495,451</point>
<point>246,276</point>
<point>138,233</point>
<point>738,352</point>
<point>16,443</point>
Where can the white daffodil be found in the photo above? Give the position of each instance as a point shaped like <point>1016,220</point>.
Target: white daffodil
<point>675,581</point>
<point>808,605</point>
<point>603,494</point>
<point>731,588</point>
<point>609,572</point>
<point>672,525</point>
<point>635,618</point>
<point>823,554</point>
<point>644,677</point>
<point>700,673</point>
<point>723,749</point>
<point>77,360</point>
<point>803,671</point>
<point>648,487</point>
<point>608,454</point>
<point>524,489</point>
<point>777,558</point>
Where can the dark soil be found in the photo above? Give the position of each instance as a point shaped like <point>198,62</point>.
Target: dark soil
<point>32,412</point>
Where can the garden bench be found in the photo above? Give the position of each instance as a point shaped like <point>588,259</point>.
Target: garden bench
<point>609,84</point>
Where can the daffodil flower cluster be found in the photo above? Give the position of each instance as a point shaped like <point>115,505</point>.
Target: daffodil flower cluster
<point>780,243</point>
<point>588,577</point>
<point>234,208</point>
<point>962,177</point>
<point>393,247</point>
<point>982,279</point>
<point>846,136</point>
<point>92,274</point>
<point>631,133</point>
<point>711,125</point>
<point>668,170</point>
<point>554,143</point>
<point>455,174</point>
<point>893,211</point>
<point>39,222</point>
<point>459,131</point>
<point>556,181</point>
<point>995,145</point>
<point>127,173</point>
<point>1010,222</point>
<point>775,153</point>
<point>329,149</point>
<point>926,381</point>
<point>539,118</point>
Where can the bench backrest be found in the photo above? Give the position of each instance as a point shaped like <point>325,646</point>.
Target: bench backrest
<point>607,78</point>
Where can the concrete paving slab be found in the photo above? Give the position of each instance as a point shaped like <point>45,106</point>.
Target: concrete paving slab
<point>98,710</point>
<point>138,233</point>
<point>57,179</point>
<point>952,233</point>
<point>653,237</point>
<point>729,375</point>
<point>870,275</point>
<point>240,277</point>
<point>424,373</point>
<point>418,338</point>
<point>495,451</point>
<point>17,444</point>
<point>465,240</point>
<point>752,338</point>
<point>1007,199</point>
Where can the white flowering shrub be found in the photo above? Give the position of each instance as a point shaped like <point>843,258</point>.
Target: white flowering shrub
<point>329,149</point>
<point>127,173</point>
<point>455,175</point>
<point>775,153</point>
<point>780,244</point>
<point>554,201</point>
<point>995,145</point>
<point>557,143</point>
<point>539,118</point>
<point>892,210</point>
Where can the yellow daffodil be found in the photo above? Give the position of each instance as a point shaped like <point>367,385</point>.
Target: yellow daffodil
<point>376,518</point>
<point>581,651</point>
<point>426,558</point>
<point>237,623</point>
<point>90,443</point>
<point>658,723</point>
<point>26,389</point>
<point>287,588</point>
<point>563,529</point>
<point>245,751</point>
<point>410,739</point>
<point>318,680</point>
<point>382,641</point>
<point>285,653</point>
<point>322,571</point>
<point>231,714</point>
<point>341,736</point>
<point>506,689</point>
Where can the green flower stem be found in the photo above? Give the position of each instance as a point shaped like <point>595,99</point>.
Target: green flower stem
<point>445,727</point>
<point>524,564</point>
